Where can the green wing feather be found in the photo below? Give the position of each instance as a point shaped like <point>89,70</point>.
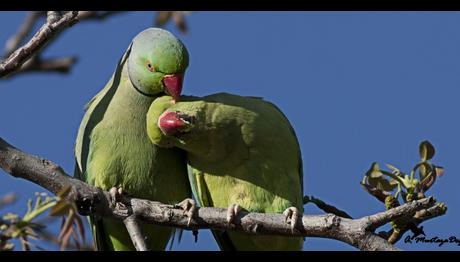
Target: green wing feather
<point>230,241</point>
<point>94,110</point>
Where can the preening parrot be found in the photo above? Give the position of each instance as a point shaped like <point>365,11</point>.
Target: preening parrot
<point>112,147</point>
<point>242,152</point>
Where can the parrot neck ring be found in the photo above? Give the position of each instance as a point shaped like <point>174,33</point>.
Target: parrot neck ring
<point>141,92</point>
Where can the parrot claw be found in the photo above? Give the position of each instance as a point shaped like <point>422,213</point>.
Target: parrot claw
<point>189,207</point>
<point>116,196</point>
<point>232,212</point>
<point>292,217</point>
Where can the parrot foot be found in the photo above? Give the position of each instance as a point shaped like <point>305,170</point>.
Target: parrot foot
<point>116,196</point>
<point>232,212</point>
<point>189,207</point>
<point>292,217</point>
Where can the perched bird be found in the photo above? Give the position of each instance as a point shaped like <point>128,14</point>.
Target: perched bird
<point>242,153</point>
<point>112,147</point>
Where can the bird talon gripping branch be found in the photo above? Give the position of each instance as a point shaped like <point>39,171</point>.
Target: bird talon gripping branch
<point>232,212</point>
<point>292,217</point>
<point>189,207</point>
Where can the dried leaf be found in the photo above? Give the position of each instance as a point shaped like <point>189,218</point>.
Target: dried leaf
<point>81,228</point>
<point>180,22</point>
<point>67,226</point>
<point>61,208</point>
<point>439,171</point>
<point>65,238</point>
<point>8,199</point>
<point>387,186</point>
<point>24,243</point>
<point>379,194</point>
<point>426,150</point>
<point>162,17</point>
<point>64,192</point>
<point>374,171</point>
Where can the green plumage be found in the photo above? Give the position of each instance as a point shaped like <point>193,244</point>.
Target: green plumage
<point>240,150</point>
<point>113,149</point>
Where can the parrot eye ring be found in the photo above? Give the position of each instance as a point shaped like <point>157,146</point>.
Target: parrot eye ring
<point>150,66</point>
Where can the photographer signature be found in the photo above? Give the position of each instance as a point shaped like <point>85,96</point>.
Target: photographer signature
<point>433,240</point>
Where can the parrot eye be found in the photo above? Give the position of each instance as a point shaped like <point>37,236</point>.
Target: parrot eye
<point>186,118</point>
<point>150,66</point>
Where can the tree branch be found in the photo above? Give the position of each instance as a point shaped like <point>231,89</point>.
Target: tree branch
<point>28,57</point>
<point>419,217</point>
<point>135,232</point>
<point>356,232</point>
<point>58,65</point>
<point>54,25</point>
<point>33,62</point>
<point>96,15</point>
<point>325,207</point>
<point>27,26</point>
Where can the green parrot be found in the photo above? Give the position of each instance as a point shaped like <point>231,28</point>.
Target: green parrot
<point>112,147</point>
<point>242,153</point>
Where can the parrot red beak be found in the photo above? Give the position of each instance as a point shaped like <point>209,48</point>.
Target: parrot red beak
<point>170,123</point>
<point>173,85</point>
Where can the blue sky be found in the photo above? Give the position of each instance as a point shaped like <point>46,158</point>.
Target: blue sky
<point>358,87</point>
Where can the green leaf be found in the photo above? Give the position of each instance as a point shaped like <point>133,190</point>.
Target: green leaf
<point>426,150</point>
<point>10,217</point>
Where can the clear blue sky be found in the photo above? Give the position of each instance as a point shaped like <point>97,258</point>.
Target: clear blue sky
<point>358,87</point>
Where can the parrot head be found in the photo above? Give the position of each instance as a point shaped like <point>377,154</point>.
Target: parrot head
<point>157,63</point>
<point>174,124</point>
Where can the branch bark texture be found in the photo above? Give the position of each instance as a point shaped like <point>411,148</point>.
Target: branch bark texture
<point>356,232</point>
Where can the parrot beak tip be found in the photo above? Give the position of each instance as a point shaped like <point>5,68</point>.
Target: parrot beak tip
<point>170,123</point>
<point>173,85</point>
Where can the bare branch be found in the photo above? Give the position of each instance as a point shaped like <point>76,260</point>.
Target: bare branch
<point>135,232</point>
<point>95,15</point>
<point>58,65</point>
<point>325,207</point>
<point>15,40</point>
<point>356,232</point>
<point>53,26</point>
<point>28,57</point>
<point>382,218</point>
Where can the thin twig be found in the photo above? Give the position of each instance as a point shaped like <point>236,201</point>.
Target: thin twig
<point>24,30</point>
<point>325,207</point>
<point>58,65</point>
<point>53,26</point>
<point>95,15</point>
